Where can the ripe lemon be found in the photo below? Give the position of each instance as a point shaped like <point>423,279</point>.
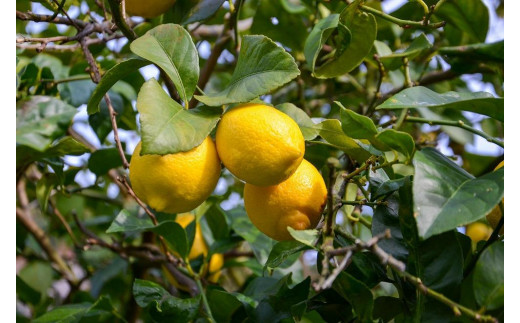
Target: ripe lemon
<point>198,248</point>
<point>177,182</point>
<point>296,202</point>
<point>259,144</point>
<point>478,231</point>
<point>148,8</point>
<point>495,215</point>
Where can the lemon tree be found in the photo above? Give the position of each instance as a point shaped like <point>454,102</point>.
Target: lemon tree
<point>259,161</point>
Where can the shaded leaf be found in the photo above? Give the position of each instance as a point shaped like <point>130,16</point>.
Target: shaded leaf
<point>128,222</point>
<point>446,196</point>
<point>363,28</point>
<point>116,73</point>
<point>170,47</point>
<point>357,293</point>
<point>175,237</point>
<point>305,123</point>
<point>482,51</point>
<point>422,97</point>
<point>281,251</point>
<point>419,45</point>
<point>262,67</point>
<point>488,279</point>
<point>204,9</point>
<point>167,127</point>
<point>103,160</point>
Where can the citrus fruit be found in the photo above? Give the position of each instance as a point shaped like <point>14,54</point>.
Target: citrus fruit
<point>478,231</point>
<point>296,202</point>
<point>148,8</point>
<point>177,182</point>
<point>259,144</point>
<point>495,215</point>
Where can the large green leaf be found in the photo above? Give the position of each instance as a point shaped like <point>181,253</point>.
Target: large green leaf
<point>446,196</point>
<point>127,222</point>
<point>355,125</point>
<point>116,73</point>
<point>357,293</point>
<point>102,309</point>
<point>317,38</point>
<point>282,250</point>
<point>103,160</point>
<point>422,97</point>
<point>162,306</point>
<point>419,45</point>
<point>175,237</point>
<point>166,126</point>
<point>305,123</point>
<point>202,10</point>
<point>469,16</point>
<point>362,28</point>
<point>482,51</point>
<point>170,47</point>
<point>488,280</point>
<point>40,120</point>
<point>390,139</point>
<point>262,67</point>
<point>330,130</point>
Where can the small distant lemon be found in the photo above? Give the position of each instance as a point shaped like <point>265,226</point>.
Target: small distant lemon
<point>296,202</point>
<point>495,215</point>
<point>147,8</point>
<point>199,248</point>
<point>259,144</point>
<point>177,182</point>
<point>478,231</point>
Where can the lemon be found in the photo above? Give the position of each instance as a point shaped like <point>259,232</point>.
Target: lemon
<point>296,202</point>
<point>148,8</point>
<point>177,182</point>
<point>495,215</point>
<point>259,144</point>
<point>198,248</point>
<point>478,231</point>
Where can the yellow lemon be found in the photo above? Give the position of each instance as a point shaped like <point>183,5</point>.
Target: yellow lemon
<point>198,248</point>
<point>478,231</point>
<point>178,182</point>
<point>495,215</point>
<point>147,8</point>
<point>259,144</point>
<point>296,202</point>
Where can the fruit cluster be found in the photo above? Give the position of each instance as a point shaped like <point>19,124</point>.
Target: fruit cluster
<point>259,145</point>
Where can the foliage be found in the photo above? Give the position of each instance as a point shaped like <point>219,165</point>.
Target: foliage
<point>388,118</point>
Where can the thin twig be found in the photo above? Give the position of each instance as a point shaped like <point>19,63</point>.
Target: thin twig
<point>401,22</point>
<point>377,94</point>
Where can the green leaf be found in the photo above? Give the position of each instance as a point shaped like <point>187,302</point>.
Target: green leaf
<point>446,196</point>
<point>103,160</point>
<point>163,306</point>
<point>305,123</point>
<point>396,140</point>
<point>387,307</point>
<point>167,127</point>
<point>469,16</point>
<point>483,51</point>
<point>128,222</point>
<point>44,188</point>
<point>223,305</point>
<point>281,251</point>
<point>363,28</point>
<point>330,130</point>
<point>146,292</point>
<point>216,219</point>
<point>26,293</point>
<point>419,45</point>
<point>170,47</point>
<point>488,279</point>
<point>40,120</point>
<point>203,10</point>
<point>175,237</point>
<point>355,125</point>
<point>422,97</point>
<point>76,93</point>
<point>116,73</point>
<point>307,237</point>
<point>64,313</point>
<point>262,67</point>
<point>317,38</point>
<point>357,293</point>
